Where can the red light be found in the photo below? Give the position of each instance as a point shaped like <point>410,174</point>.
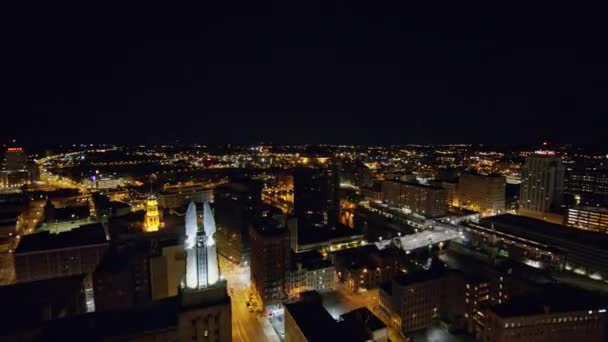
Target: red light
<point>545,143</point>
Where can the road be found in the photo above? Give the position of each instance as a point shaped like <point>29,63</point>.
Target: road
<point>246,326</point>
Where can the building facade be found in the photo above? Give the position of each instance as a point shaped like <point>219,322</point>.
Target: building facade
<point>485,194</point>
<point>269,261</point>
<point>45,255</point>
<point>180,194</point>
<point>425,200</point>
<point>594,219</point>
<point>316,186</point>
<point>542,183</point>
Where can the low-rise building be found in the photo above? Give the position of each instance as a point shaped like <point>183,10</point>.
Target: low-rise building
<point>554,316</point>
<point>45,255</point>
<point>180,194</point>
<point>593,219</point>
<point>309,322</point>
<point>310,272</point>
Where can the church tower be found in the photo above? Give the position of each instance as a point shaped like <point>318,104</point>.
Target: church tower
<point>152,220</point>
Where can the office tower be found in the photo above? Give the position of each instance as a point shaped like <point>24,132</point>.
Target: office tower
<point>542,183</point>
<point>269,260</point>
<point>485,194</point>
<point>316,186</point>
<point>152,219</point>
<point>426,200</point>
<point>15,159</point>
<point>236,205</point>
<point>202,268</point>
<point>205,312</point>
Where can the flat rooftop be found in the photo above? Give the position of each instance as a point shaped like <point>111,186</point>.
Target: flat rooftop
<point>90,234</point>
<point>408,279</point>
<point>416,184</point>
<point>542,231</point>
<point>366,317</point>
<point>311,234</point>
<point>28,304</point>
<point>553,299</point>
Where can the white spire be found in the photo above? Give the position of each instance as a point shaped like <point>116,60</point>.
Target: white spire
<point>191,226</point>
<point>202,267</point>
<point>213,271</point>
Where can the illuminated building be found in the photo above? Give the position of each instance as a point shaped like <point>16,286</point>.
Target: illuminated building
<point>310,272</point>
<point>542,184</point>
<point>205,306</point>
<point>485,194</point>
<point>152,219</point>
<point>542,244</point>
<point>202,268</point>
<point>414,300</point>
<point>426,200</point>
<point>15,159</point>
<point>588,218</point>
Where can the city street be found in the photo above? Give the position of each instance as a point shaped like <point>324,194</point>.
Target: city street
<point>246,326</point>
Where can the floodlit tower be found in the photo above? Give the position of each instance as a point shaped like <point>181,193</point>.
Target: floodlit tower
<point>202,268</point>
<point>152,221</point>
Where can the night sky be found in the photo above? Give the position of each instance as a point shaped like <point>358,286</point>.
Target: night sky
<point>303,72</point>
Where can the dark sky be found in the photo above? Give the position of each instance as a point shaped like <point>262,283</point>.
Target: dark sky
<point>303,71</point>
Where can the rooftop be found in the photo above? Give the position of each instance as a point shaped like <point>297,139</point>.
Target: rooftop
<point>363,315</point>
<point>314,321</point>
<point>310,234</point>
<point>416,184</point>
<point>407,279</point>
<point>554,299</point>
<point>90,234</point>
<point>33,302</point>
<point>158,315</point>
<point>544,232</point>
<point>317,324</point>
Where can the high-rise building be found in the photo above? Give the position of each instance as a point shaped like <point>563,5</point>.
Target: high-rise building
<point>426,200</point>
<point>205,305</point>
<point>485,194</point>
<point>269,260</point>
<point>236,205</point>
<point>316,186</point>
<point>542,183</point>
<point>15,159</point>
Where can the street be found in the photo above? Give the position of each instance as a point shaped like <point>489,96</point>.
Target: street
<point>246,326</point>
